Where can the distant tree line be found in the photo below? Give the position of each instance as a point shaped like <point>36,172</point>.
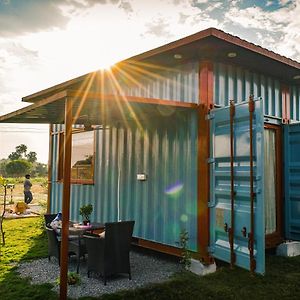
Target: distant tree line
<point>21,162</point>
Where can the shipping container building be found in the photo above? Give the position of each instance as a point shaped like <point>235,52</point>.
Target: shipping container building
<point>200,135</point>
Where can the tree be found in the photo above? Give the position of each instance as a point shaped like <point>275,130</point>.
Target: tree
<point>39,169</point>
<point>14,156</point>
<point>22,149</point>
<point>17,168</point>
<point>4,184</point>
<point>3,163</point>
<point>14,166</point>
<point>32,156</point>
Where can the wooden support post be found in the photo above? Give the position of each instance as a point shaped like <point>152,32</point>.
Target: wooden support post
<point>205,104</point>
<point>49,168</point>
<point>66,199</point>
<point>285,92</point>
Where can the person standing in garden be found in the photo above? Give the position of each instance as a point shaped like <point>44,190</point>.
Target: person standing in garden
<point>27,186</point>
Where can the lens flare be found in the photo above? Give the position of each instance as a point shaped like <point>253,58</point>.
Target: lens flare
<point>165,111</point>
<point>174,189</point>
<point>184,218</point>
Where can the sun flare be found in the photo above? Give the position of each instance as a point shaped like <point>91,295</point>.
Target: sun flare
<point>105,65</point>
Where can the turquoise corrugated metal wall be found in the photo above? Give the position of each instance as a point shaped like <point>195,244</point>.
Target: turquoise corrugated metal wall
<point>295,103</point>
<point>236,83</point>
<point>162,205</point>
<point>180,83</point>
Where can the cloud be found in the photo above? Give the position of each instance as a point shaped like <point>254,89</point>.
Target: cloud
<point>182,18</point>
<point>19,17</point>
<point>285,2</point>
<point>276,30</point>
<point>175,19</point>
<point>159,27</point>
<point>15,55</point>
<point>17,63</point>
<point>126,6</point>
<point>290,38</point>
<point>22,17</point>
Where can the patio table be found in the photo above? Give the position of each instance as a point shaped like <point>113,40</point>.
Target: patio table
<point>78,229</point>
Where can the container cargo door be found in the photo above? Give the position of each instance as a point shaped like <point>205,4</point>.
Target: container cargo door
<point>237,230</point>
<point>292,181</point>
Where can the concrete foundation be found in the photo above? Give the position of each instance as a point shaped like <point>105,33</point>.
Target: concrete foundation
<point>199,269</point>
<point>288,248</point>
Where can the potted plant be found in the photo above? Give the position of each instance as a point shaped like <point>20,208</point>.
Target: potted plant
<point>73,279</point>
<point>85,211</point>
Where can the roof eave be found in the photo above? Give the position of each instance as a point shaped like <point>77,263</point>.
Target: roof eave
<point>210,32</point>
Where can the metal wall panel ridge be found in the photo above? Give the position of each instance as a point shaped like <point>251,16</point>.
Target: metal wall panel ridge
<point>166,202</point>
<point>180,83</point>
<point>295,103</point>
<point>292,181</point>
<point>162,205</point>
<point>236,83</point>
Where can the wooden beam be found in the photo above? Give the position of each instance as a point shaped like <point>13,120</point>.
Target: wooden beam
<point>49,109</point>
<point>49,168</point>
<point>158,247</point>
<point>206,84</point>
<point>39,104</point>
<point>57,88</point>
<point>285,92</point>
<point>66,199</point>
<point>205,104</point>
<point>123,98</point>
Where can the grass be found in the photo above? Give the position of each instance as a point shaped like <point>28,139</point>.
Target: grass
<point>34,180</point>
<point>26,241</point>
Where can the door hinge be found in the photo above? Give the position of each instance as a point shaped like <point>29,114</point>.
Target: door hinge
<point>210,249</point>
<point>210,116</point>
<point>210,160</point>
<point>211,204</point>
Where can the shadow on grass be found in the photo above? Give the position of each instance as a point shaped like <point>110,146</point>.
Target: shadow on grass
<point>12,286</point>
<point>280,282</point>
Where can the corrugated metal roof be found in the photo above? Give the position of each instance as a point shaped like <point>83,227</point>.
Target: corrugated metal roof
<point>222,36</point>
<point>95,109</point>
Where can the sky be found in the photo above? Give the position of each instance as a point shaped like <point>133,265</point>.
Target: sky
<point>46,42</point>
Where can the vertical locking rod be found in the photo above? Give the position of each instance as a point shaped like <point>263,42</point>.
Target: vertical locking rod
<point>251,233</point>
<point>231,229</point>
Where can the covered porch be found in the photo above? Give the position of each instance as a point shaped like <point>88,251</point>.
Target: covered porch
<point>84,111</point>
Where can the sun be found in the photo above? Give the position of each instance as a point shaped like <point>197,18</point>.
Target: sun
<point>106,64</point>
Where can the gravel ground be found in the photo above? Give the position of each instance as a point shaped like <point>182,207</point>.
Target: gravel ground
<point>145,268</point>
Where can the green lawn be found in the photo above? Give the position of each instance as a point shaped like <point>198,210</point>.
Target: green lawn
<point>26,240</point>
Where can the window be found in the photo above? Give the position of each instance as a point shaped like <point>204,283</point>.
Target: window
<point>60,165</point>
<point>82,160</point>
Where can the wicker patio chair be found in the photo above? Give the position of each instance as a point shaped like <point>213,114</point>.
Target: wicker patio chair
<point>53,244</point>
<point>110,255</point>
<point>49,218</point>
<point>76,246</point>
